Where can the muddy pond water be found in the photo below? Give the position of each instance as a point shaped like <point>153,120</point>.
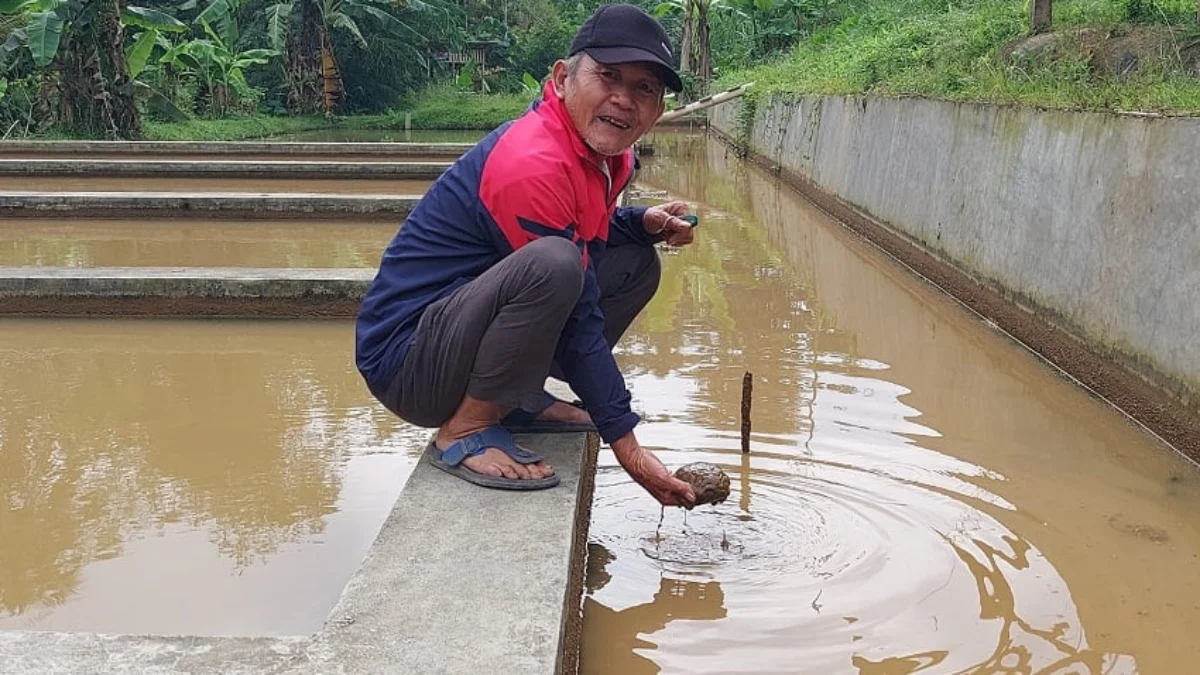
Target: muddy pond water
<point>177,477</point>
<point>89,242</point>
<point>922,494</point>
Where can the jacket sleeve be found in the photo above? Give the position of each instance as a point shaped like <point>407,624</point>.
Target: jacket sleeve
<point>542,204</point>
<point>625,227</point>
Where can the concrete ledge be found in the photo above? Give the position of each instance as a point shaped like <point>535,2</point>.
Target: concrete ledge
<point>220,169</point>
<point>419,603</point>
<point>242,206</point>
<point>14,149</point>
<point>181,291</point>
<point>1144,396</point>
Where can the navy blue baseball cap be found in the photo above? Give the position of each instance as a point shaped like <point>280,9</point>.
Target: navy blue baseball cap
<point>622,33</point>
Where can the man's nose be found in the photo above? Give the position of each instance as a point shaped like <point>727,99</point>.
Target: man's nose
<point>622,97</point>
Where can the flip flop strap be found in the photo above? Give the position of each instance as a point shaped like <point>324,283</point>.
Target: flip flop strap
<point>477,443</point>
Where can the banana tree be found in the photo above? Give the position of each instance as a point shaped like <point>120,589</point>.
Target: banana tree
<point>696,48</point>
<point>218,66</point>
<point>80,45</point>
<point>302,29</point>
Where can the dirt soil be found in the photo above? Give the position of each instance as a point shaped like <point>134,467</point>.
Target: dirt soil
<point>710,483</point>
<point>1114,54</point>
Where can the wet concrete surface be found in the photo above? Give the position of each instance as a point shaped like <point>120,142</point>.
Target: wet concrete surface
<point>375,186</point>
<point>29,169</point>
<point>180,204</point>
<point>69,242</point>
<point>214,292</point>
<point>241,157</point>
<point>205,478</point>
<point>241,150</point>
<point>922,493</point>
<point>383,136</point>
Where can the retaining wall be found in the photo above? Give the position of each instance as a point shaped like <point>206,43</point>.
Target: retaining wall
<point>1091,221</point>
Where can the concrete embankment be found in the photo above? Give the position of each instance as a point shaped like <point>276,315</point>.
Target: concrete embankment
<point>194,291</point>
<point>230,150</point>
<point>1077,233</point>
<point>157,168</point>
<point>425,599</point>
<point>240,206</point>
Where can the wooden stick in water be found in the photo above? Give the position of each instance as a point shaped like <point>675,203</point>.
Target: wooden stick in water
<point>747,387</point>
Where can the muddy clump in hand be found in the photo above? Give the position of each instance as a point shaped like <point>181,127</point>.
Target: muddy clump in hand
<point>710,483</point>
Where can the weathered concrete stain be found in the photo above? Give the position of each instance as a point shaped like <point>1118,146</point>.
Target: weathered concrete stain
<point>1091,220</point>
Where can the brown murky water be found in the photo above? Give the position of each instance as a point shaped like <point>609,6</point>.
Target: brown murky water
<point>212,478</point>
<point>922,494</point>
<point>190,243</point>
<point>390,187</point>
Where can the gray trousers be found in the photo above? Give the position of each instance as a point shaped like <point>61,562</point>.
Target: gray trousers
<point>494,337</point>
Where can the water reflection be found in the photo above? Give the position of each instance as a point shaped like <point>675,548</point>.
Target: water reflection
<point>622,630</point>
<point>212,461</point>
<point>910,503</point>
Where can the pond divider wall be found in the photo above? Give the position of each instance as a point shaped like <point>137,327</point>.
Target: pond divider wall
<point>1076,233</point>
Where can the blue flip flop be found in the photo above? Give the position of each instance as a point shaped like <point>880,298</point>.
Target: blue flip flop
<point>525,422</point>
<point>495,436</point>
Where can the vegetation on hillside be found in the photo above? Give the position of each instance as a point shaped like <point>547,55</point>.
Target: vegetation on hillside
<point>103,68</point>
<point>110,69</point>
<point>1128,55</point>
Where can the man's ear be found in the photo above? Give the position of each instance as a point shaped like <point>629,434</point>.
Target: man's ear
<point>559,77</point>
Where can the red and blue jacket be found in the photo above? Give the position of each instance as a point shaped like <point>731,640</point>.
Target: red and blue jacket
<point>532,177</point>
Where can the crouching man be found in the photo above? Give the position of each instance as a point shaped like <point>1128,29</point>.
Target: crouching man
<point>518,264</point>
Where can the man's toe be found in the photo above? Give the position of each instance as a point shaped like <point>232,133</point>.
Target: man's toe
<point>522,471</point>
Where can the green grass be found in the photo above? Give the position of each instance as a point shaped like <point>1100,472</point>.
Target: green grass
<point>231,128</point>
<point>952,51</point>
<point>446,108</point>
<point>434,109</point>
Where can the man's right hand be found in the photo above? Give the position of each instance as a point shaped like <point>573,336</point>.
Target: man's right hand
<point>650,473</point>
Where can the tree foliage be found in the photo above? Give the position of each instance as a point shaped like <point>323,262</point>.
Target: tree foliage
<point>96,67</point>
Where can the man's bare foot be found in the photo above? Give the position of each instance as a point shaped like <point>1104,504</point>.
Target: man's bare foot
<point>493,461</point>
<point>560,411</point>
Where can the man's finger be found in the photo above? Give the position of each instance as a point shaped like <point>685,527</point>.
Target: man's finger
<point>676,208</point>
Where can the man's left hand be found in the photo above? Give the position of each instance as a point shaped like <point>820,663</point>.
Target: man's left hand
<point>664,219</point>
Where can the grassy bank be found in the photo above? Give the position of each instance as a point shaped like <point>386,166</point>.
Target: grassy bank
<point>436,109</point>
<point>446,108</point>
<point>230,129</point>
<point>1103,55</point>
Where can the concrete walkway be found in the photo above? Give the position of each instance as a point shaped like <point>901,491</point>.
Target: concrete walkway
<point>421,602</point>
<point>15,149</point>
<point>183,168</point>
<point>229,292</point>
<point>242,206</point>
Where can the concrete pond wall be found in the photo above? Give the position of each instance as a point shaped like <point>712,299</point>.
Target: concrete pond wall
<point>1090,220</point>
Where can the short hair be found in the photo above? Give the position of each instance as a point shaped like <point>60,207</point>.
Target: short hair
<point>573,63</point>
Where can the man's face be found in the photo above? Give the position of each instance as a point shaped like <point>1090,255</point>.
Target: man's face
<point>612,106</point>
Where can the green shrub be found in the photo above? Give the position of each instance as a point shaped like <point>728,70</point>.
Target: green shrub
<point>954,51</point>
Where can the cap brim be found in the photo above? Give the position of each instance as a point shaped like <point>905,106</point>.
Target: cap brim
<point>616,55</point>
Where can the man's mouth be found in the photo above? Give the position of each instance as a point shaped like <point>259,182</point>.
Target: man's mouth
<point>620,124</point>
